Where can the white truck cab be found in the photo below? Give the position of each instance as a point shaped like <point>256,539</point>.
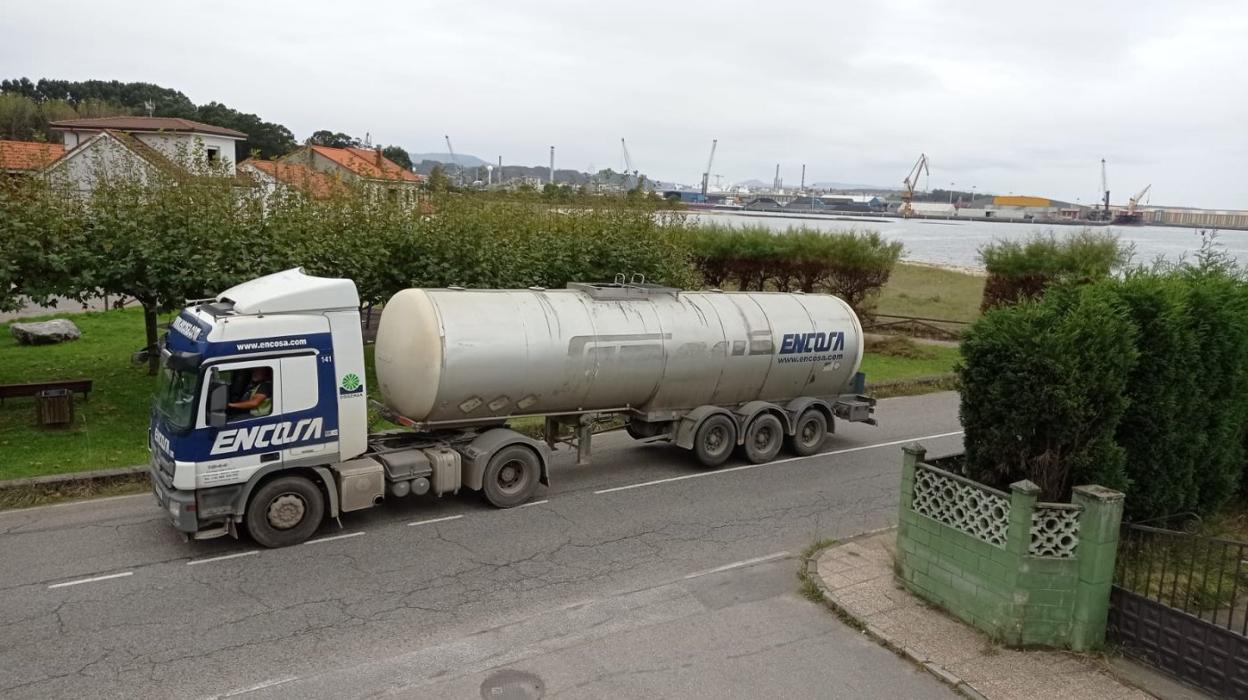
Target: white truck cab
<point>298,336</point>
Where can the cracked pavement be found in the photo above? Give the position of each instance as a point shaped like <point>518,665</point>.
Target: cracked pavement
<point>590,593</point>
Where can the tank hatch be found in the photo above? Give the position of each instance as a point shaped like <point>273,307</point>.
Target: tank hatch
<point>619,289</point>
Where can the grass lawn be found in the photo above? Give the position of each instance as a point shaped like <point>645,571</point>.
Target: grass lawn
<point>111,428</point>
<point>931,292</point>
<point>896,358</point>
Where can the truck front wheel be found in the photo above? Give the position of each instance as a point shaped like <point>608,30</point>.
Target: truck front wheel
<point>511,477</point>
<point>285,511</point>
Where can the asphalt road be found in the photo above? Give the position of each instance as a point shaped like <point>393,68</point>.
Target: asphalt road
<point>641,576</point>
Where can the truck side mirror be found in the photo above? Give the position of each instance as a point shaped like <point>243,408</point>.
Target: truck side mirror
<point>218,401</point>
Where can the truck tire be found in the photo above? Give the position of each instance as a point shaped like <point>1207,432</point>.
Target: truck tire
<point>715,439</point>
<point>285,511</point>
<point>763,438</point>
<point>810,432</point>
<point>511,477</point>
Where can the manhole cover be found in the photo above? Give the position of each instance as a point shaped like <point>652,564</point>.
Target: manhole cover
<point>512,685</point>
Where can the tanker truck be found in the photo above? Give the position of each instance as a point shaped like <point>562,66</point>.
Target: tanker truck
<point>262,419</point>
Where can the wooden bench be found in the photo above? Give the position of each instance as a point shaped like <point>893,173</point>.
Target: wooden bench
<point>78,386</point>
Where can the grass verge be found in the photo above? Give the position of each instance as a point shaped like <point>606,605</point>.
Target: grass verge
<point>931,292</point>
<point>32,495</point>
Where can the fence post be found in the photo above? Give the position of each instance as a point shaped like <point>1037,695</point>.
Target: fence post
<point>912,454</point>
<point>1098,548</point>
<point>1023,497</point>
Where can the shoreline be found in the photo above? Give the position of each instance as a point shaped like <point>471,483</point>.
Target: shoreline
<point>968,270</point>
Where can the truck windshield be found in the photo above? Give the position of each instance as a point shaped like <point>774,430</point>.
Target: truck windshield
<point>175,396</point>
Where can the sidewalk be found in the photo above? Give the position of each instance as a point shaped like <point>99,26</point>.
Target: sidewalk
<point>856,578</point>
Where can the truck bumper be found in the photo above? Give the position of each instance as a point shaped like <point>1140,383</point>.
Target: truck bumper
<point>178,505</point>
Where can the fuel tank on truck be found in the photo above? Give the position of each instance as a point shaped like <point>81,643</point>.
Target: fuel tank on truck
<point>456,355</point>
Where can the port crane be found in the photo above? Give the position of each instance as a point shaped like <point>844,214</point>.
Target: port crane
<point>459,175</point>
<point>911,182</point>
<point>706,174</point>
<point>1132,214</point>
<point>1105,190</point>
<point>628,164</point>
<point>1134,202</point>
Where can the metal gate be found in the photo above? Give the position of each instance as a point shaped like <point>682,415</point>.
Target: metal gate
<point>1179,604</point>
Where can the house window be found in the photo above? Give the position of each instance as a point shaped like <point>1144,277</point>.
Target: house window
<point>392,194</point>
<point>214,155</point>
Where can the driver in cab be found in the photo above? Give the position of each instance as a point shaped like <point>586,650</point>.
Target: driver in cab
<point>256,399</point>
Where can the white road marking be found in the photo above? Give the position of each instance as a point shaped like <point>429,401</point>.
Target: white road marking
<point>435,520</point>
<point>738,565</point>
<point>335,537</point>
<point>259,686</point>
<point>223,557</point>
<point>534,503</point>
<point>91,580</point>
<point>716,472</point>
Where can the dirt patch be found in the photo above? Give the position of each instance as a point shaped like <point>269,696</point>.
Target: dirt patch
<point>898,346</point>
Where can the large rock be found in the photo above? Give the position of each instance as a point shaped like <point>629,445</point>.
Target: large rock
<point>58,330</point>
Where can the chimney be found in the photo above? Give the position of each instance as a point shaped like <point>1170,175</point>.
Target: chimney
<point>379,156</point>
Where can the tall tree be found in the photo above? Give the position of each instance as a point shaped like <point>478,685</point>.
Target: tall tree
<point>398,155</point>
<point>324,137</point>
<point>266,139</point>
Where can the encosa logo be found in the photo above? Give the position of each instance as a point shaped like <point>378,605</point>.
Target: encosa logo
<point>793,343</point>
<point>161,441</point>
<point>262,436</point>
<point>186,328</point>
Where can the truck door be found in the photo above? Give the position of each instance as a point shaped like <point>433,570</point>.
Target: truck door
<point>301,393</point>
<point>245,443</point>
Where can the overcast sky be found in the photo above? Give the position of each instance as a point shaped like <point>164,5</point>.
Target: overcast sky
<point>1008,97</point>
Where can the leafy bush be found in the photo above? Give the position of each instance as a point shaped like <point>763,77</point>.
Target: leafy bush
<point>1043,391</point>
<point>1176,407</point>
<point>852,265</point>
<point>1024,269</point>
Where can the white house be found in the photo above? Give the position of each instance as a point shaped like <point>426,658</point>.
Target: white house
<point>139,146</point>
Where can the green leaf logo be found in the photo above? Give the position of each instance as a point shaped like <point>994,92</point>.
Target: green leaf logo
<point>351,382</point>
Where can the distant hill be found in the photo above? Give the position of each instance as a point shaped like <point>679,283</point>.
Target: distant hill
<point>464,159</point>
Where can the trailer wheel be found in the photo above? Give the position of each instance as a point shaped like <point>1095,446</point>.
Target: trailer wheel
<point>285,511</point>
<point>811,431</point>
<point>715,439</point>
<point>511,476</point>
<point>763,439</point>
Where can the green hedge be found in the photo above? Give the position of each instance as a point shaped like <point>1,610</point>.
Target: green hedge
<point>1138,383</point>
<point>850,264</point>
<point>1023,269</point>
<point>1043,391</point>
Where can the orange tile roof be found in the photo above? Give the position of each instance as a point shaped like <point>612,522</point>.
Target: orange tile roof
<point>28,155</point>
<point>301,177</point>
<point>367,163</point>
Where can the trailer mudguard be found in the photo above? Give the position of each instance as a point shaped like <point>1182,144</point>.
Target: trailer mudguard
<point>798,406</point>
<point>748,411</point>
<point>689,423</point>
<point>477,454</point>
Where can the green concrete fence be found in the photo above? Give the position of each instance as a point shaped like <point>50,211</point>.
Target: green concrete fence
<point>1027,573</point>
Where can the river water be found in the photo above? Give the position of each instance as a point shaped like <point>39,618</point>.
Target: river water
<point>956,243</point>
